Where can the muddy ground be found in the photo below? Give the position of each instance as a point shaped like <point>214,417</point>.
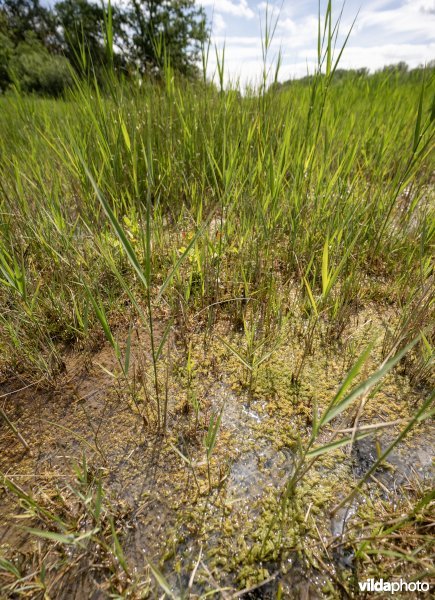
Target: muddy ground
<point>201,531</point>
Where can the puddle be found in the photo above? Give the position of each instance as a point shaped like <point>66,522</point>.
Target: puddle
<point>257,470</point>
<point>413,458</point>
<point>409,463</point>
<point>258,465</point>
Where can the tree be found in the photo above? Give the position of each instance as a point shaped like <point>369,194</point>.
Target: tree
<point>166,29</point>
<point>82,26</point>
<point>397,68</point>
<point>6,52</point>
<point>28,46</point>
<point>33,69</point>
<point>39,39</point>
<point>20,17</point>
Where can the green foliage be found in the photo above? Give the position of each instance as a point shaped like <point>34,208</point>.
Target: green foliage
<point>19,17</point>
<point>386,75</point>
<point>38,42</point>
<point>33,69</point>
<point>170,31</point>
<point>83,34</point>
<point>6,53</point>
<point>257,220</point>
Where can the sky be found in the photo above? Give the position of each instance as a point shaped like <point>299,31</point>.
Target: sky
<point>385,32</point>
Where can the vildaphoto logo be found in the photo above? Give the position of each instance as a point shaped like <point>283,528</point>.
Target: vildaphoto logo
<point>379,585</point>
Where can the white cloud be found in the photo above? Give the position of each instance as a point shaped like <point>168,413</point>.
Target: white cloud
<point>376,57</point>
<point>219,24</point>
<point>385,32</point>
<point>297,34</point>
<point>412,20</point>
<point>237,9</point>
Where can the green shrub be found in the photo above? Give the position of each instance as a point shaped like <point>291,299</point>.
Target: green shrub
<point>6,52</point>
<point>33,69</point>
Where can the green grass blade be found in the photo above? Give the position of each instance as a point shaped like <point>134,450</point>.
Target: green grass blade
<point>325,267</point>
<point>120,234</point>
<point>320,450</point>
<point>53,535</point>
<point>117,548</point>
<point>162,581</point>
<point>417,129</point>
<point>366,386</point>
<point>354,371</point>
<point>236,353</point>
<point>181,259</point>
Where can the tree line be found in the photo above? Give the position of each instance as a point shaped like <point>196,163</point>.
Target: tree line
<point>39,43</point>
<point>399,70</point>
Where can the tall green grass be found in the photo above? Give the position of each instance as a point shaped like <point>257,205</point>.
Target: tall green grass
<point>324,206</point>
<point>190,198</point>
<point>187,198</point>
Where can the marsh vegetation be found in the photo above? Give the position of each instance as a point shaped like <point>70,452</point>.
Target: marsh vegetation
<point>216,335</point>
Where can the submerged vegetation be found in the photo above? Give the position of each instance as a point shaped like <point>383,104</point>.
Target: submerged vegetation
<point>216,336</point>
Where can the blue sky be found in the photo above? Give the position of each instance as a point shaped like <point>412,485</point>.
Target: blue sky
<point>385,32</point>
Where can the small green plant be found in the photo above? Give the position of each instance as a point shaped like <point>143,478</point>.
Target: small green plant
<point>87,521</point>
<point>310,452</point>
<point>259,347</point>
<point>210,440</point>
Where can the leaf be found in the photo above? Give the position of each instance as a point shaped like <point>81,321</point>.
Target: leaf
<point>8,566</point>
<point>98,501</point>
<point>311,297</point>
<point>87,534</point>
<point>163,339</point>
<point>325,271</point>
<point>101,315</point>
<point>180,454</point>
<point>213,428</point>
<point>127,352</point>
<point>118,549</point>
<point>347,382</point>
<point>418,121</point>
<point>432,111</point>
<point>420,415</point>
<point>53,535</point>
<point>14,488</point>
<point>335,273</point>
<point>319,450</point>
<point>163,583</point>
<point>128,248</point>
<point>177,265</point>
<point>366,385</point>
<point>125,134</point>
<point>328,20</point>
<point>235,352</point>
